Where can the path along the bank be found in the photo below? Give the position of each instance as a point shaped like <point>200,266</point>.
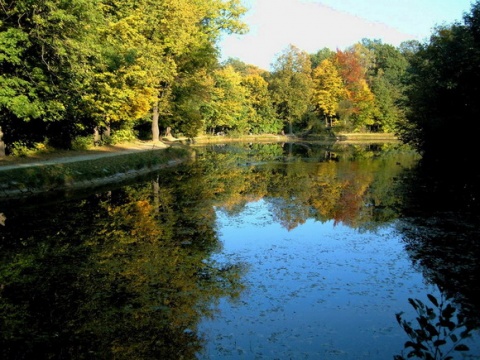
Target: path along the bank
<point>103,152</point>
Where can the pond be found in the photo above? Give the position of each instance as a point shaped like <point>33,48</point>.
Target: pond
<point>249,251</point>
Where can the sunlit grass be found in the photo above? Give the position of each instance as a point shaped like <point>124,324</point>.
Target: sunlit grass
<point>64,175</point>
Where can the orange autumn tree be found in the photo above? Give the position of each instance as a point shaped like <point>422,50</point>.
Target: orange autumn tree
<point>357,110</point>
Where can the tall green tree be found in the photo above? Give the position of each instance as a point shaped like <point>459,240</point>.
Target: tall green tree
<point>386,70</point>
<point>262,117</point>
<point>443,91</point>
<point>228,108</point>
<point>44,57</point>
<point>291,85</point>
<point>322,54</point>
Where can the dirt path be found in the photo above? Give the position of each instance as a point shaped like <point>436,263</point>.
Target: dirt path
<point>108,151</point>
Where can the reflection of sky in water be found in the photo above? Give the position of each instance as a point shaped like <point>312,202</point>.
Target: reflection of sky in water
<point>318,291</point>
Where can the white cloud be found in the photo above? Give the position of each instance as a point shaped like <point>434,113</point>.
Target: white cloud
<point>310,26</point>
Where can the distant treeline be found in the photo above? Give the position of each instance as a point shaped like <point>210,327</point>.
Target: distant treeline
<point>77,72</point>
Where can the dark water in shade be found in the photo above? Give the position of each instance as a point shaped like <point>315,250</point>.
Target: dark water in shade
<point>278,251</point>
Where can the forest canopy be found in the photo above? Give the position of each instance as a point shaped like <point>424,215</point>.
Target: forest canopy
<point>74,73</point>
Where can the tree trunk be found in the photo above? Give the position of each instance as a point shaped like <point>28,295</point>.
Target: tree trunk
<point>290,127</point>
<point>96,136</point>
<point>155,128</point>
<point>2,144</point>
<point>108,129</point>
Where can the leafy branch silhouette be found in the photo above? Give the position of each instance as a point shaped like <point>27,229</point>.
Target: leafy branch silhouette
<point>441,329</point>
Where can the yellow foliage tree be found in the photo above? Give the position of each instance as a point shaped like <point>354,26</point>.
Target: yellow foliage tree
<point>329,90</point>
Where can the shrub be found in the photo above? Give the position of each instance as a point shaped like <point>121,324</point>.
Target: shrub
<point>83,143</point>
<point>440,330</point>
<point>120,136</point>
<point>20,149</point>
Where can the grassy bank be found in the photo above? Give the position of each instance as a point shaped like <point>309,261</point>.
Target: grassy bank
<point>22,181</point>
<point>366,137</point>
<point>209,139</point>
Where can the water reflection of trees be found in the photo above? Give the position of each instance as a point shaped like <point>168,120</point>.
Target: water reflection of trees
<point>121,274</point>
<point>125,273</point>
<point>440,228</point>
<point>357,188</point>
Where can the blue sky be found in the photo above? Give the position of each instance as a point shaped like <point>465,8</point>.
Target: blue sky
<point>314,24</point>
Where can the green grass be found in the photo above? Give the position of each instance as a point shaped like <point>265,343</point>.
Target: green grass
<point>59,176</point>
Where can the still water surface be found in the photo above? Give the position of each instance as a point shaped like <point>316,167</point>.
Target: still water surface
<point>249,252</point>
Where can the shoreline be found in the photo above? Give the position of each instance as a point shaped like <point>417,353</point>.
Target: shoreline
<point>67,156</point>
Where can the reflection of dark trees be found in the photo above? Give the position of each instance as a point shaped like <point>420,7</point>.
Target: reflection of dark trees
<point>121,274</point>
<point>442,234</point>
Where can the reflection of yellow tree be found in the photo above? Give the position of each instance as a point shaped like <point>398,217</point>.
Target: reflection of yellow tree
<point>150,287</point>
<point>326,189</point>
<point>123,274</point>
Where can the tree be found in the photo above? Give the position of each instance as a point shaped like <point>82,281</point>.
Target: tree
<point>291,85</point>
<point>192,89</point>
<point>70,67</point>
<point>262,117</point>
<point>357,110</point>
<point>443,91</point>
<point>228,107</point>
<point>122,88</point>
<point>320,55</point>
<point>191,25</point>
<point>44,52</point>
<point>386,72</point>
<point>329,90</point>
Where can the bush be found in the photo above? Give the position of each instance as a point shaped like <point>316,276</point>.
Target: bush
<point>20,149</point>
<point>440,330</point>
<point>83,143</point>
<point>121,136</point>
